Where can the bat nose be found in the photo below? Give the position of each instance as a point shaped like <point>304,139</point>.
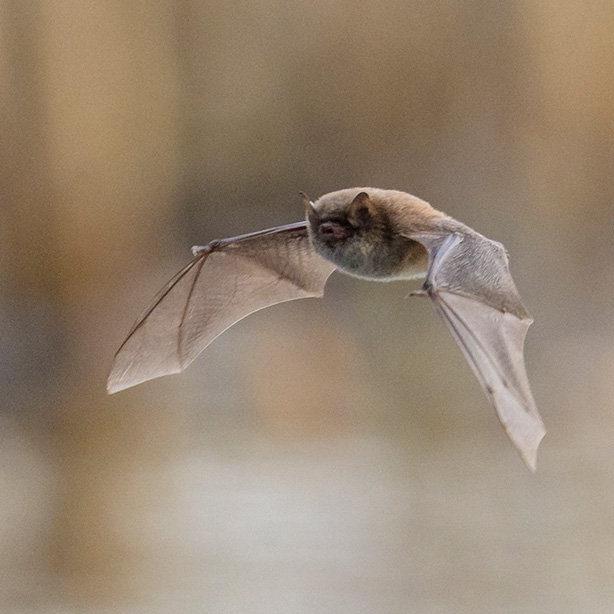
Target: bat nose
<point>333,232</point>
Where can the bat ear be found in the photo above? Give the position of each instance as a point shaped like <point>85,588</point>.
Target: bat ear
<point>310,210</point>
<point>361,210</point>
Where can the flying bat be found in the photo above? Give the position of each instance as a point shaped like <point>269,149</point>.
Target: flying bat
<point>373,234</point>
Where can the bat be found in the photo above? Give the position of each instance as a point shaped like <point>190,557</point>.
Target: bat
<point>373,234</point>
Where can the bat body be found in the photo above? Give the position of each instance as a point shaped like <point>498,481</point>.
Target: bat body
<point>378,235</point>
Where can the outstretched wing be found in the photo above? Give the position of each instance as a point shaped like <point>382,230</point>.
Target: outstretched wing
<point>473,291</point>
<point>226,281</point>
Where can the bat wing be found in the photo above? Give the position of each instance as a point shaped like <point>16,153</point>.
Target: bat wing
<point>473,291</point>
<point>226,281</point>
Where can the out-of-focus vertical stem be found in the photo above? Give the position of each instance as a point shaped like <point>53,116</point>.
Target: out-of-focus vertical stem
<point>90,102</point>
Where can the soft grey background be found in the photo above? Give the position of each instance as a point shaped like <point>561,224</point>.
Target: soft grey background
<point>331,456</point>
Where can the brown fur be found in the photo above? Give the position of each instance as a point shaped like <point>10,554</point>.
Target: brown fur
<point>381,251</point>
<point>409,212</point>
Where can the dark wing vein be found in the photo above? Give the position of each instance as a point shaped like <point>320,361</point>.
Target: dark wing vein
<point>160,297</point>
<point>180,334</point>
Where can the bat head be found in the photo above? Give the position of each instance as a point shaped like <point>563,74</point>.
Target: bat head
<point>334,223</point>
<point>352,229</point>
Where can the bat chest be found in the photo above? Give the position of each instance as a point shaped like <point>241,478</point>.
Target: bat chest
<point>378,261</point>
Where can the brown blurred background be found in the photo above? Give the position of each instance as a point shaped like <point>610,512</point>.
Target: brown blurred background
<point>331,456</point>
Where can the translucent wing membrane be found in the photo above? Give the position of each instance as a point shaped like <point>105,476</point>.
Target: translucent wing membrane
<point>473,291</point>
<point>223,284</point>
<point>492,342</point>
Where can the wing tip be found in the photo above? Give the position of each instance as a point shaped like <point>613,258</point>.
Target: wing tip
<point>122,380</point>
<point>115,386</point>
<point>116,382</point>
<point>529,452</point>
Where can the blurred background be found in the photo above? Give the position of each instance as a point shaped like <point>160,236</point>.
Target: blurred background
<point>332,456</point>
